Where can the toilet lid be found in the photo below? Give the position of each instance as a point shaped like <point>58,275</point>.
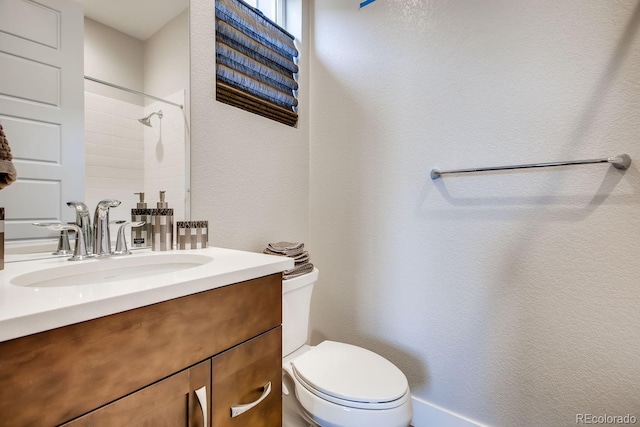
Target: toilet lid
<point>351,373</point>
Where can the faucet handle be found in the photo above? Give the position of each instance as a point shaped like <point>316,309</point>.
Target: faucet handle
<point>64,247</point>
<point>121,242</point>
<point>80,251</point>
<point>108,203</point>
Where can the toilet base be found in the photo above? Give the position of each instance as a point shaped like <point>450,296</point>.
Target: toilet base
<point>293,414</point>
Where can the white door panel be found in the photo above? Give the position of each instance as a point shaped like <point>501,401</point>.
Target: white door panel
<point>29,80</point>
<point>39,141</point>
<point>42,111</point>
<point>46,22</point>
<point>32,208</point>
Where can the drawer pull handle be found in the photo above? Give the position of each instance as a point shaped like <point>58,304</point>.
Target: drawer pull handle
<point>241,409</point>
<point>201,394</point>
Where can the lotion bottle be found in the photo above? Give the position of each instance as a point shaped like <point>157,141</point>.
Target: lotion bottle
<point>162,225</point>
<point>141,236</point>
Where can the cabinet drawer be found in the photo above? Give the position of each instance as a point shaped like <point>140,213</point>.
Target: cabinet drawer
<point>238,378</point>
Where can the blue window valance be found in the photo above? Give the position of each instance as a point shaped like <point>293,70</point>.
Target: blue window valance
<point>256,65</point>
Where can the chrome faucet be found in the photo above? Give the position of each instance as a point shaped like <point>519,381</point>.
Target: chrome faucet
<point>90,241</point>
<point>79,253</point>
<point>83,221</point>
<point>101,236</point>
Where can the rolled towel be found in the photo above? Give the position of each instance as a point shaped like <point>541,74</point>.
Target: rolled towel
<point>297,271</point>
<point>285,248</point>
<point>7,170</point>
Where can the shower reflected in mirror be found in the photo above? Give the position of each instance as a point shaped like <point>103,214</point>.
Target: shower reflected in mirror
<point>147,120</point>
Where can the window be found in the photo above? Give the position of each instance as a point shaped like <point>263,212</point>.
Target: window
<point>256,66</point>
<point>272,9</point>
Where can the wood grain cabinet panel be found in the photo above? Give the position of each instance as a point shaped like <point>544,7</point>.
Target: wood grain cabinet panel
<point>238,377</point>
<point>171,402</point>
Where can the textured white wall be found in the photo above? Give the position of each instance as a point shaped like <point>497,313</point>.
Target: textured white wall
<point>510,298</point>
<point>249,175</point>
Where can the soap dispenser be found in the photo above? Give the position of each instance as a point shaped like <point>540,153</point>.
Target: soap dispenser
<point>162,226</point>
<point>141,236</point>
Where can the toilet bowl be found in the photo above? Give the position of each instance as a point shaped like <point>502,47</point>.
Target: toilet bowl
<point>338,384</point>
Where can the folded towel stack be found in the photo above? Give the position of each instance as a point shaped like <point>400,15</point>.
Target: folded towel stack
<point>7,170</point>
<point>295,251</point>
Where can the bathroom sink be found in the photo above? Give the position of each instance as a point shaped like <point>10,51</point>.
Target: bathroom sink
<point>108,270</point>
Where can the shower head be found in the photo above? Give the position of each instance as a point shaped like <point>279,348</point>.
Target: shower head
<point>147,120</point>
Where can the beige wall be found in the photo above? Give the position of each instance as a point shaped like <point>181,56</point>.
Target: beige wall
<point>114,57</point>
<point>510,298</point>
<point>249,175</point>
<point>166,58</point>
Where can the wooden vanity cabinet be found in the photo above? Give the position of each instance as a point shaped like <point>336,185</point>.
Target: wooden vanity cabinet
<point>142,367</point>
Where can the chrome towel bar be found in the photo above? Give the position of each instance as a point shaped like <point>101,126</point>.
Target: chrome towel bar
<point>621,161</point>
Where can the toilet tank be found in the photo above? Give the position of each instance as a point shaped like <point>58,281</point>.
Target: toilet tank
<point>296,304</point>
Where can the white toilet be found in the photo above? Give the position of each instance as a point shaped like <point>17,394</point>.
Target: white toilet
<point>337,384</point>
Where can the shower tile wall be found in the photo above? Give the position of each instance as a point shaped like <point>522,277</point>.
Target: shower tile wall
<point>164,154</point>
<point>114,153</point>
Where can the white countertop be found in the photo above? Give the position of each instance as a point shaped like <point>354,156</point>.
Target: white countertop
<point>26,310</point>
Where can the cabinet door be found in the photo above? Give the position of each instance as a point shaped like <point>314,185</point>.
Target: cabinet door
<point>172,402</point>
<point>239,381</point>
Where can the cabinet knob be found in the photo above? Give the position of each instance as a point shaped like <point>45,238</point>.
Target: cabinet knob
<point>241,409</point>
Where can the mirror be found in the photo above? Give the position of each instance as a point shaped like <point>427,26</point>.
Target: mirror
<point>138,48</point>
